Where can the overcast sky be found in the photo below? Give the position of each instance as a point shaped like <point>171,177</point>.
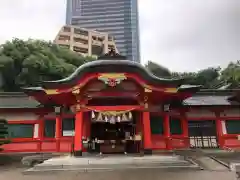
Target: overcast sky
<point>183,35</point>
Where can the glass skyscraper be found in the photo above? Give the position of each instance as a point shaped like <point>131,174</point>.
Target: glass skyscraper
<point>117,17</point>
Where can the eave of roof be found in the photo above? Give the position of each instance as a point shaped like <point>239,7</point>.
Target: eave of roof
<point>108,66</point>
<point>202,98</point>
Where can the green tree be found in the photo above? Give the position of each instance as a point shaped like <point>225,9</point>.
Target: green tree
<point>26,63</point>
<point>231,74</point>
<point>208,77</point>
<point>3,133</point>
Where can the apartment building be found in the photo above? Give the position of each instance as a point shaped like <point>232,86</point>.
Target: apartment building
<point>84,41</point>
<point>117,17</point>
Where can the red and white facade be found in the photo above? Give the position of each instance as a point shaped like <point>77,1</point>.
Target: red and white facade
<point>131,91</point>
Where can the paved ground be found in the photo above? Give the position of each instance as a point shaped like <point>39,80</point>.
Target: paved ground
<point>227,158</point>
<point>12,173</point>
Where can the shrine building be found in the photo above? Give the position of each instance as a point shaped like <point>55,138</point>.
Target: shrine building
<point>113,105</point>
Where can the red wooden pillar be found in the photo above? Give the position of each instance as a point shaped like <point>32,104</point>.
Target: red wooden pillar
<point>184,123</point>
<point>86,126</point>
<point>88,121</point>
<point>138,123</point>
<point>167,131</point>
<point>219,131</point>
<point>84,130</point>
<point>147,139</point>
<point>78,145</point>
<point>58,130</point>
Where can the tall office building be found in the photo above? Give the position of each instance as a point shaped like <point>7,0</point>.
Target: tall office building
<point>116,17</point>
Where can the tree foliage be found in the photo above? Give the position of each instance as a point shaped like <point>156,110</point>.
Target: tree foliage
<point>213,77</point>
<point>26,63</point>
<point>231,74</point>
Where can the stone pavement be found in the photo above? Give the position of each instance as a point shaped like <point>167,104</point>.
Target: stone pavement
<point>87,164</point>
<point>133,174</point>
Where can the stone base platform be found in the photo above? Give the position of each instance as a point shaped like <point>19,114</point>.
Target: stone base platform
<point>88,164</point>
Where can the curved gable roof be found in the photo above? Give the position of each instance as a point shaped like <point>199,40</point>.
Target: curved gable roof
<point>113,66</point>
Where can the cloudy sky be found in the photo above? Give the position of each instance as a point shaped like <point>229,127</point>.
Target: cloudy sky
<point>183,35</point>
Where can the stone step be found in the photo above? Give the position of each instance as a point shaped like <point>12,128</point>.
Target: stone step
<point>72,166</point>
<point>169,167</point>
<point>90,164</point>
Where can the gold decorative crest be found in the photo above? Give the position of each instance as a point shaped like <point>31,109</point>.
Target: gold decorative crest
<point>51,91</point>
<point>170,90</point>
<point>112,79</point>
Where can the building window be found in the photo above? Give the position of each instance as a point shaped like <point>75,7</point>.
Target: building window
<point>68,126</point>
<point>64,38</point>
<point>80,32</point>
<point>49,128</point>
<point>156,123</point>
<point>79,40</point>
<point>233,126</point>
<point>97,50</point>
<point>64,46</point>
<point>175,126</point>
<point>20,130</point>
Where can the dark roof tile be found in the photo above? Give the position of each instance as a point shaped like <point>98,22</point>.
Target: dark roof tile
<point>17,100</point>
<point>209,100</point>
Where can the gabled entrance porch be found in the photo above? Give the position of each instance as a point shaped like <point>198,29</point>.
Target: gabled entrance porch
<point>121,130</point>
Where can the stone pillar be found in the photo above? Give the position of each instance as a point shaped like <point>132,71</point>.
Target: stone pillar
<point>147,139</point>
<point>90,40</point>
<point>78,144</point>
<point>105,46</point>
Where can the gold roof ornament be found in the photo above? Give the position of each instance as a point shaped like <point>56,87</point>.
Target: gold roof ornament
<point>147,90</point>
<point>51,91</point>
<point>112,79</point>
<point>76,91</point>
<point>171,90</point>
